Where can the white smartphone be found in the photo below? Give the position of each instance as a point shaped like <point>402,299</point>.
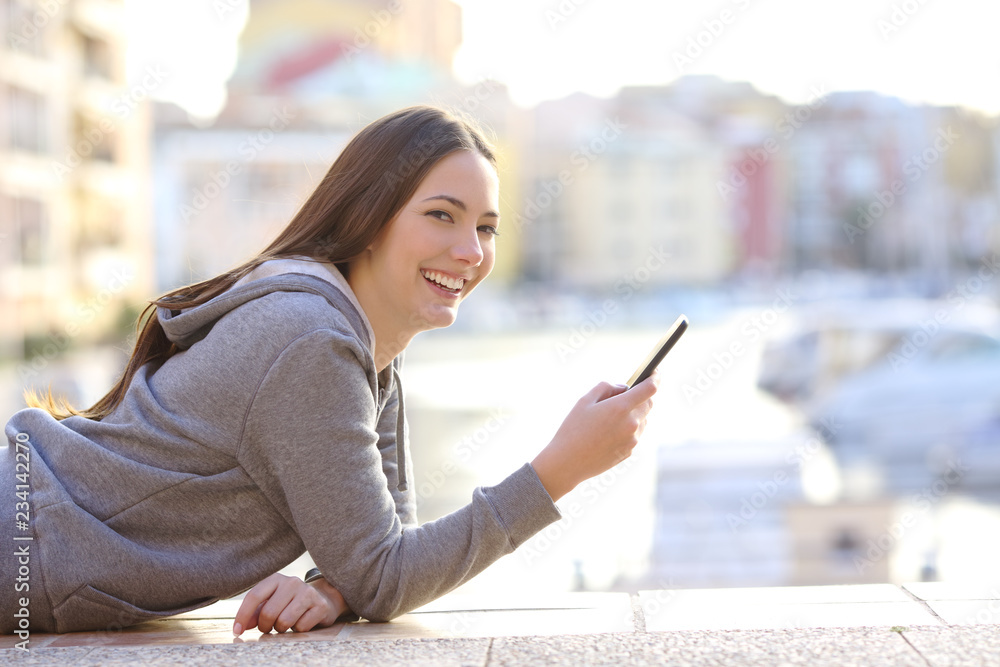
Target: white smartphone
<point>647,367</point>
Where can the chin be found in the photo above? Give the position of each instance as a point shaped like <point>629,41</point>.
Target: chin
<point>439,318</point>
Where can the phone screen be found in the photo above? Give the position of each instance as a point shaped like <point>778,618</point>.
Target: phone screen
<point>647,367</point>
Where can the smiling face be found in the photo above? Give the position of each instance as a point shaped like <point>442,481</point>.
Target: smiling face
<point>433,253</point>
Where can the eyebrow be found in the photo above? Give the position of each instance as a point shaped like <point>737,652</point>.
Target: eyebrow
<point>460,205</point>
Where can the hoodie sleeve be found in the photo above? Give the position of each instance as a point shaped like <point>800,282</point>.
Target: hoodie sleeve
<point>310,442</point>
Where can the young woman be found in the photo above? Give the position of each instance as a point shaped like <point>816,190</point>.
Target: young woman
<point>261,415</point>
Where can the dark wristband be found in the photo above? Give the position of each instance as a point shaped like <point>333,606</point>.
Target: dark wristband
<point>313,575</point>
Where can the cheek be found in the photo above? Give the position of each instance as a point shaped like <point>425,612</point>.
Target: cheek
<point>489,259</point>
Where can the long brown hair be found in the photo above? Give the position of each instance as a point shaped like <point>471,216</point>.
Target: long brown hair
<point>366,186</point>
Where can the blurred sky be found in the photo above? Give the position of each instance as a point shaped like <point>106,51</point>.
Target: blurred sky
<point>920,50</point>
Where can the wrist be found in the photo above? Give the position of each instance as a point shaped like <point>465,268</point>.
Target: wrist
<point>337,605</point>
<point>552,476</point>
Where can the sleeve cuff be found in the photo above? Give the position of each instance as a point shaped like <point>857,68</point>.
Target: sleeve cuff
<point>522,504</point>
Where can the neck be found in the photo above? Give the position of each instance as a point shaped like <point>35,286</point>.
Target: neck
<point>390,341</point>
<point>391,335</point>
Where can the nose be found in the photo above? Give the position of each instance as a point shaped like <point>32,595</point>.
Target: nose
<point>468,249</point>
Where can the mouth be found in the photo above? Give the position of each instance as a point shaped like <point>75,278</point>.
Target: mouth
<point>443,282</point>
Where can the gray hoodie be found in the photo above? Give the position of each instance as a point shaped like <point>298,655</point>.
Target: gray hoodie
<point>268,434</point>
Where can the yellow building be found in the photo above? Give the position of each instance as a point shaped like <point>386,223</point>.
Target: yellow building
<point>285,41</point>
<point>311,74</point>
<point>74,230</point>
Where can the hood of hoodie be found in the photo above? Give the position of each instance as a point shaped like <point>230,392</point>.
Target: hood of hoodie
<point>186,327</point>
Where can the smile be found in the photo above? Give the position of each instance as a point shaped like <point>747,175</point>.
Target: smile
<point>447,283</point>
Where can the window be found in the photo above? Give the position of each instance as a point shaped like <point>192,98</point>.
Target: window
<point>22,229</point>
<point>96,58</point>
<point>101,223</point>
<point>94,140</point>
<point>25,114</point>
<point>19,23</point>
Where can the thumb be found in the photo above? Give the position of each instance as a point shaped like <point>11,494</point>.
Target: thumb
<point>603,391</point>
<point>644,390</point>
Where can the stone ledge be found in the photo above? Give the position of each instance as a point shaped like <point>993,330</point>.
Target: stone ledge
<point>944,646</point>
<point>864,624</point>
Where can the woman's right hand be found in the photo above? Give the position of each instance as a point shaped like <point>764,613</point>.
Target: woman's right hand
<point>285,603</point>
<point>598,433</point>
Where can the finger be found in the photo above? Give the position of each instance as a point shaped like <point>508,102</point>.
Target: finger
<point>628,401</point>
<point>255,618</point>
<point>246,613</point>
<point>309,620</point>
<point>249,607</point>
<point>273,607</point>
<point>295,609</point>
<point>645,406</point>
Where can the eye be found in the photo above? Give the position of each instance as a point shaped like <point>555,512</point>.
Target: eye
<point>438,214</point>
<point>489,229</point>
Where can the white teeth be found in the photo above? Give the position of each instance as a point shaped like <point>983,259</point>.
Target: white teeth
<point>443,280</point>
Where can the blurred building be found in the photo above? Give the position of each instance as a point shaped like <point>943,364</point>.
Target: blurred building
<point>994,187</point>
<point>852,181</point>
<point>680,167</point>
<point>971,176</point>
<point>848,154</point>
<point>622,196</point>
<point>347,47</point>
<point>751,131</point>
<point>884,186</point>
<point>75,255</point>
<point>310,75</point>
<point>223,193</point>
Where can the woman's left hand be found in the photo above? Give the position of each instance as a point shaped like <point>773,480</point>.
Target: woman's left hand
<point>282,603</point>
